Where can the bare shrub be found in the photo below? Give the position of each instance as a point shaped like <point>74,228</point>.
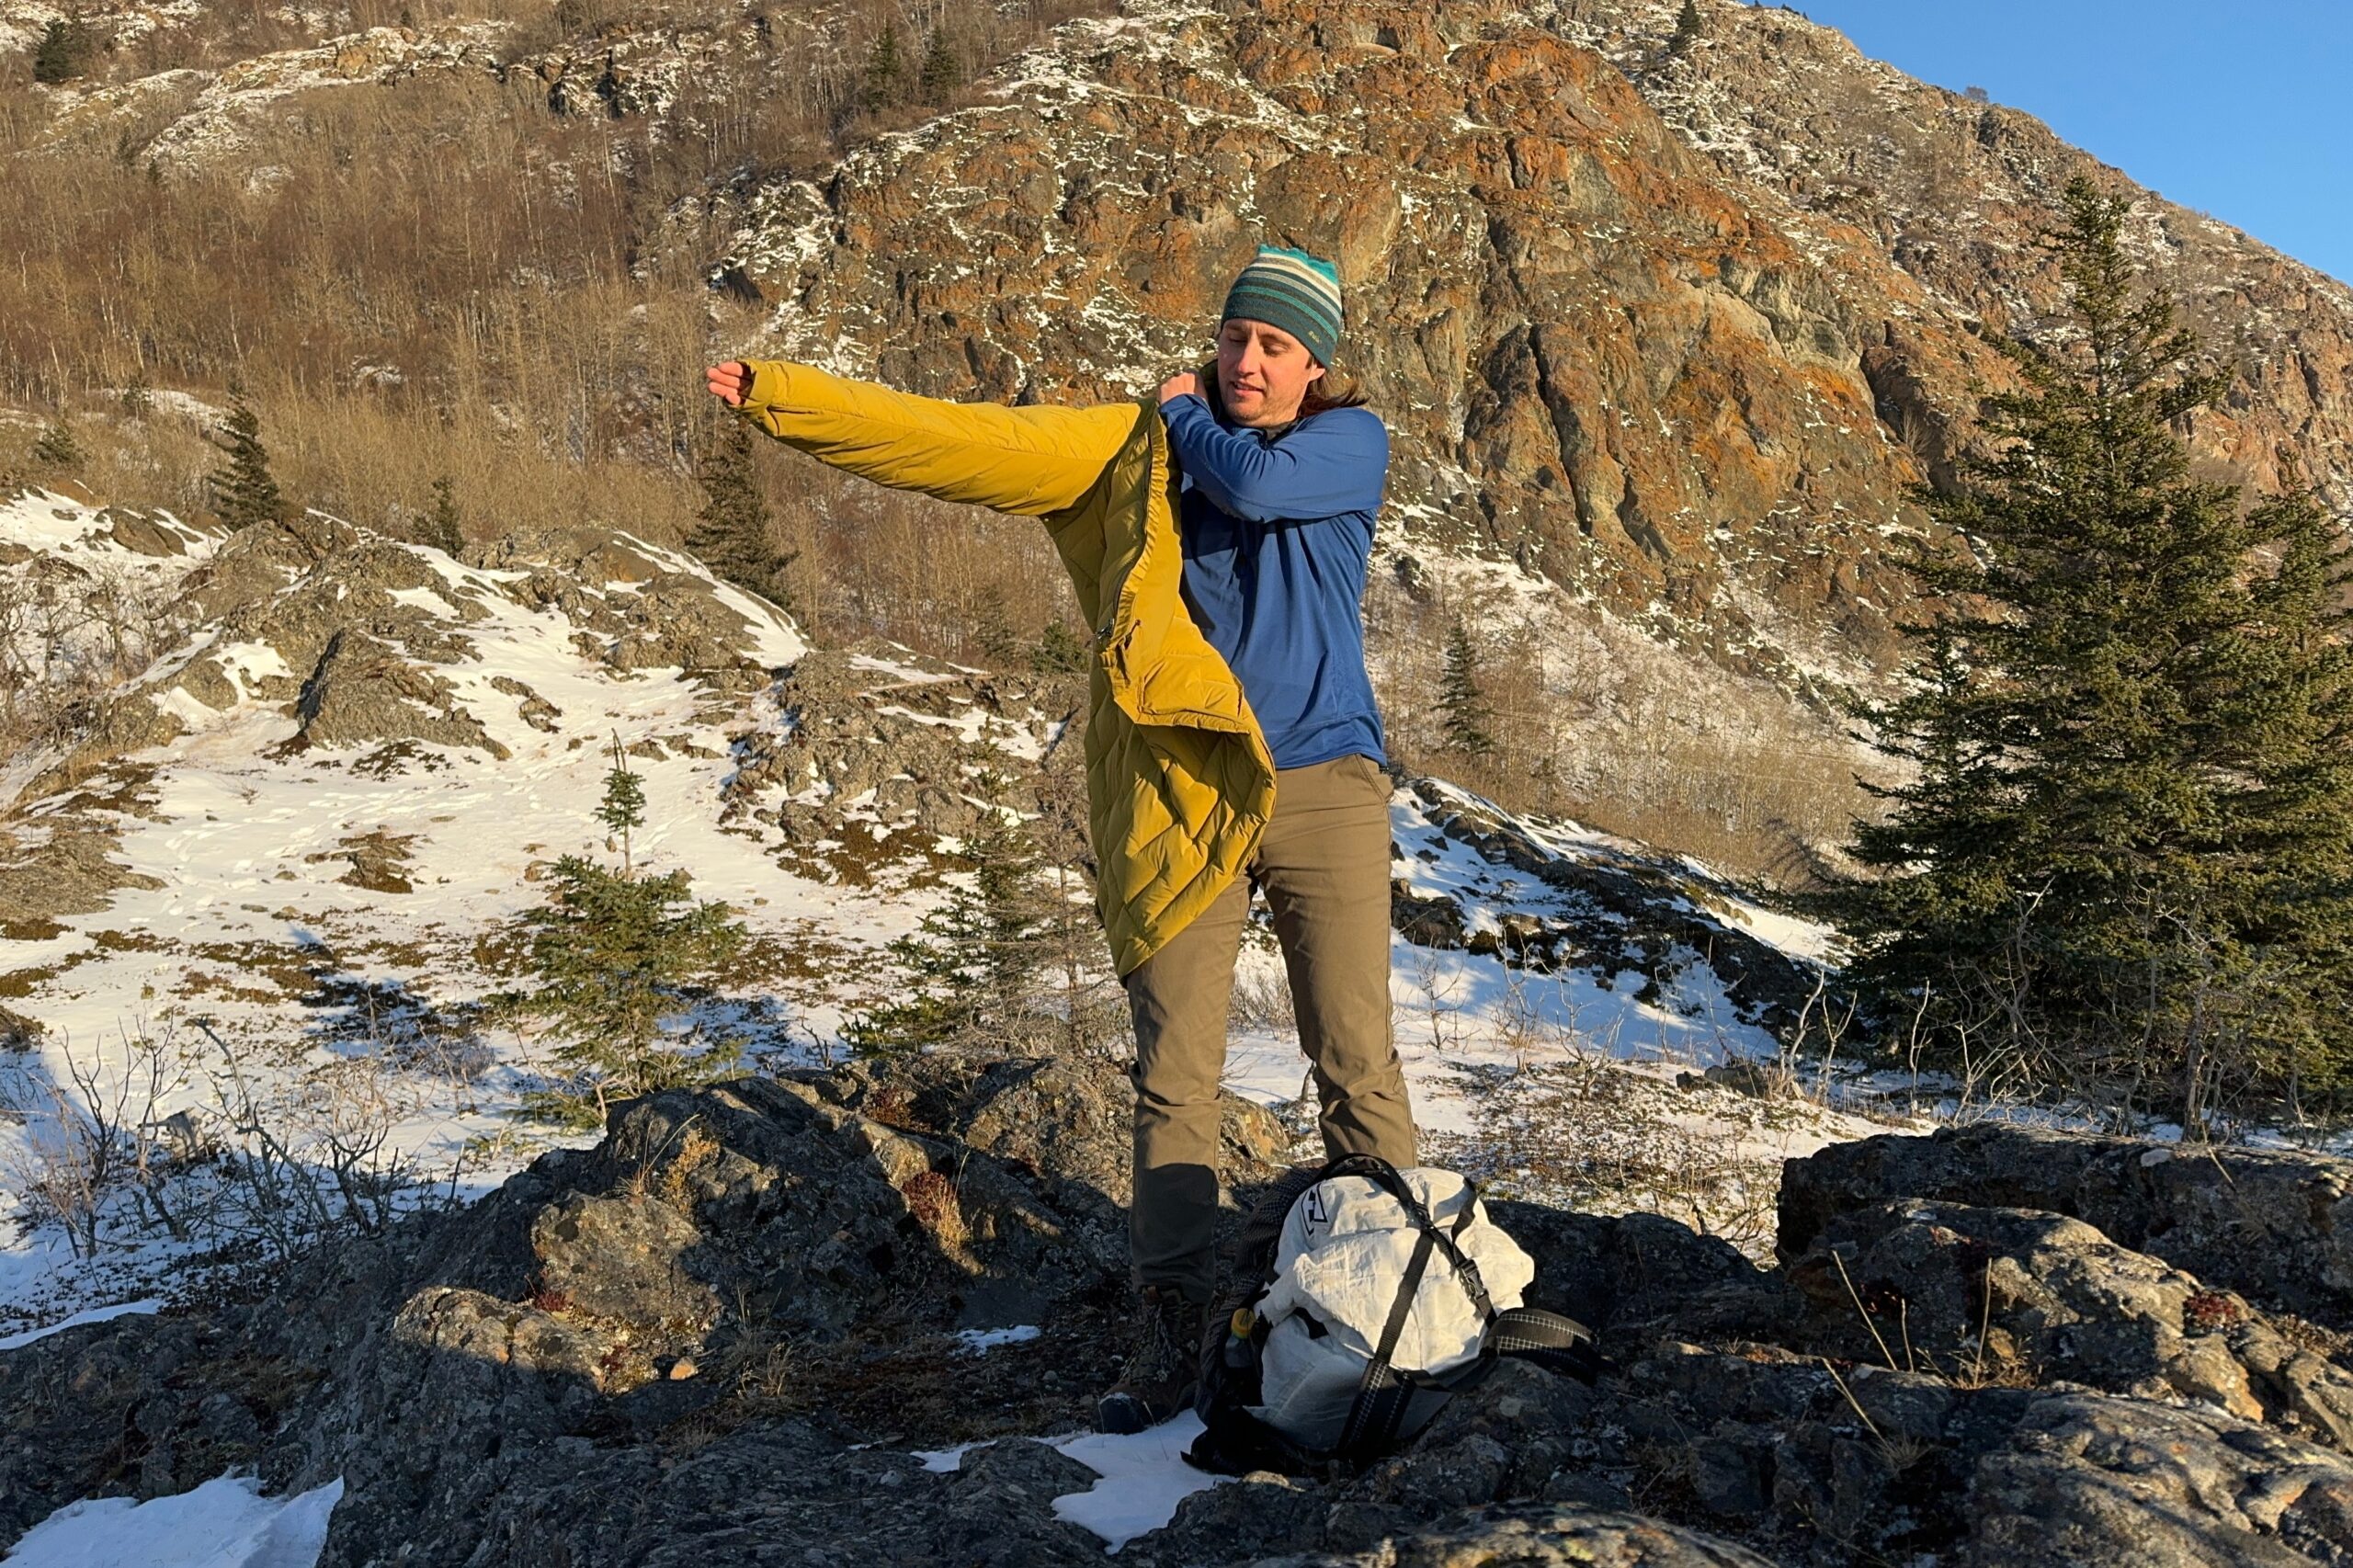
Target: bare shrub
<point>1599,1138</point>
<point>306,1155</point>
<point>91,1139</point>
<point>1262,1000</point>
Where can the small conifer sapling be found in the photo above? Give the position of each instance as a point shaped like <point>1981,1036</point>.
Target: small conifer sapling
<point>57,447</point>
<point>64,46</point>
<point>443,529</point>
<point>730,534</point>
<point>885,70</point>
<point>622,810</point>
<point>244,491</point>
<point>1464,716</point>
<point>942,72</point>
<point>614,953</point>
<point>1688,27</point>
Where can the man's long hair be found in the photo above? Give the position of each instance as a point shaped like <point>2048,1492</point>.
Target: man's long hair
<point>1330,390</point>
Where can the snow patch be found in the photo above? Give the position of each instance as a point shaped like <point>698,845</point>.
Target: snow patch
<point>94,1314</point>
<point>1144,1477</point>
<point>225,1523</point>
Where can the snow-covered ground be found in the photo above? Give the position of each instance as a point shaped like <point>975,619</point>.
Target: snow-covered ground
<point>303,924</point>
<point>298,919</point>
<point>1144,1476</point>
<point>255,951</point>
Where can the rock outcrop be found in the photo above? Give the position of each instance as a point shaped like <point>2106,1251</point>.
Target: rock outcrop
<point>725,1335</point>
<point>874,761</point>
<point>2273,1224</point>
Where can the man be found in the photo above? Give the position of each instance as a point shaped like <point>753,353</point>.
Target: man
<point>1220,545</point>
<point>1283,476</point>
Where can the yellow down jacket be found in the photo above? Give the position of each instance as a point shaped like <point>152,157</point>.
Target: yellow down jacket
<point>1181,783</point>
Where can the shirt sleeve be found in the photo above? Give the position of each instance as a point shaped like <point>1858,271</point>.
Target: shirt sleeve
<point>1333,463</point>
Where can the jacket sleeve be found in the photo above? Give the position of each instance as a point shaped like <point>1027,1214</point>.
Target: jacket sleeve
<point>1336,462</point>
<point>1027,461</point>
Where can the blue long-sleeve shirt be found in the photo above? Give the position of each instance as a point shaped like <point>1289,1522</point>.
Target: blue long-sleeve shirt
<point>1278,534</point>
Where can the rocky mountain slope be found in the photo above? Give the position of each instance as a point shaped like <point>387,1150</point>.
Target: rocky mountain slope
<point>1674,329</point>
<point>1679,330</point>
<point>854,1312</point>
<point>1664,337</point>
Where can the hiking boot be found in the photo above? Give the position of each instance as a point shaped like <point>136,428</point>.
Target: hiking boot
<point>1158,1379</point>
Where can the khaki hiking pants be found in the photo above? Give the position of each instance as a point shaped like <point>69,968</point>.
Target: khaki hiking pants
<point>1323,864</point>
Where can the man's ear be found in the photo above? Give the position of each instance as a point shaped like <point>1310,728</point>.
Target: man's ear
<point>1315,372</point>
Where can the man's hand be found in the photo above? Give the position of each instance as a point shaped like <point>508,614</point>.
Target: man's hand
<point>730,382</point>
<point>1184,383</point>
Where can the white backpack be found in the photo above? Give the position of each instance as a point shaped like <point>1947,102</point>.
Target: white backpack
<point>1363,1298</point>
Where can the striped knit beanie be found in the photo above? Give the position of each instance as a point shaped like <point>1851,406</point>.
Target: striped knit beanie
<point>1293,290</point>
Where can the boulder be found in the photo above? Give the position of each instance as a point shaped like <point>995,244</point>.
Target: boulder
<point>1540,1536</point>
<point>2272,1224</point>
<point>720,1336</point>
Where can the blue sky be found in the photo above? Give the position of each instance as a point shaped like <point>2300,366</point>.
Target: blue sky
<point>2238,110</point>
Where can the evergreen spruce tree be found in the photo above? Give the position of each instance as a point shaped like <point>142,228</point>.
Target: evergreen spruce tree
<point>243,491</point>
<point>2123,855</point>
<point>614,952</point>
<point>64,46</point>
<point>1463,715</point>
<point>885,71</point>
<point>443,529</point>
<point>731,532</point>
<point>136,399</point>
<point>1059,651</point>
<point>1688,29</point>
<point>942,74</point>
<point>56,447</point>
<point>991,631</point>
<point>622,810</point>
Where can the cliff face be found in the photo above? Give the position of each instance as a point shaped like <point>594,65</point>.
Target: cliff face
<point>1678,331</point>
<point>1954,193</point>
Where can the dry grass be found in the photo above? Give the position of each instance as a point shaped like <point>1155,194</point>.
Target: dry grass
<point>696,1150</point>
<point>1595,1137</point>
<point>1595,722</point>
<point>436,276</point>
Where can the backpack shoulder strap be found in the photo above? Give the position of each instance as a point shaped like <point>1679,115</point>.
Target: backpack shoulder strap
<point>1385,1175</point>
<point>1379,1408</point>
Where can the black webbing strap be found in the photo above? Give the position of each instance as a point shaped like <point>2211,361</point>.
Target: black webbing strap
<point>1383,1396</point>
<point>1555,1343</point>
<point>1235,1442</point>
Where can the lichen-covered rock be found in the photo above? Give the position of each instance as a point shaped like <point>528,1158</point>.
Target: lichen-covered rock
<point>1605,1270</point>
<point>874,762</point>
<point>67,1402</point>
<point>361,691</point>
<point>1968,1292</point>
<point>620,1258</point>
<point>1511,1436</point>
<point>2273,1225</point>
<point>2097,1482</point>
<point>1539,1536</point>
<point>715,1338</point>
